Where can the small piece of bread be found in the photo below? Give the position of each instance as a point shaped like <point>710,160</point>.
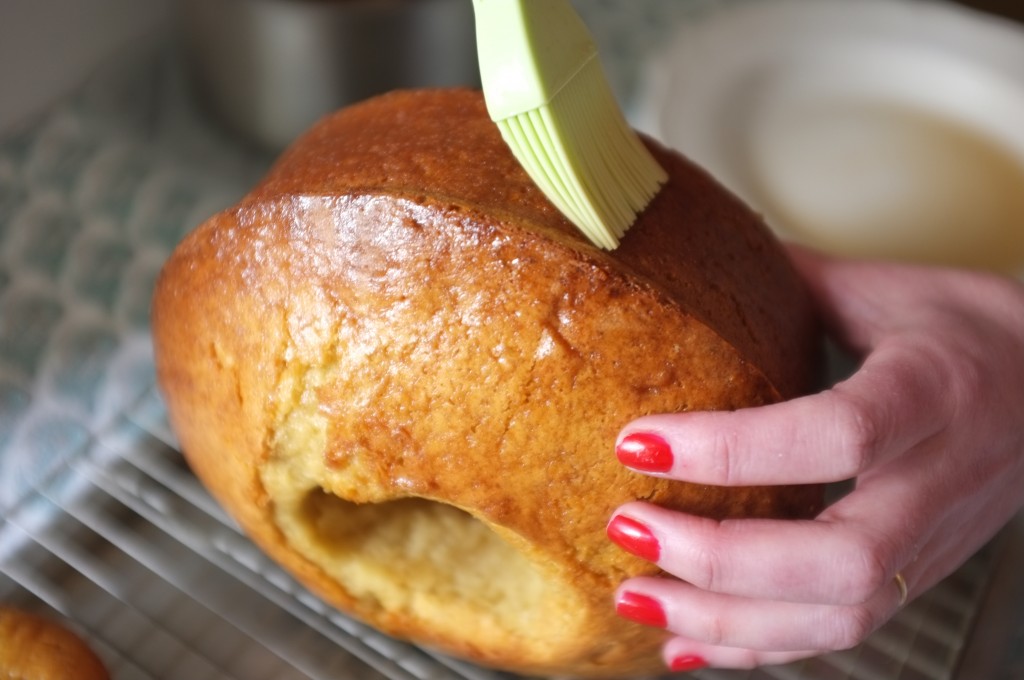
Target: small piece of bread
<point>33,647</point>
<point>403,372</point>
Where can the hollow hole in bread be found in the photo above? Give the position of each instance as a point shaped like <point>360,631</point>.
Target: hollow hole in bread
<point>430,561</point>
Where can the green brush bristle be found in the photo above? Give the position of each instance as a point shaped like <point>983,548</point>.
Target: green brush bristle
<point>546,90</point>
<point>582,154</point>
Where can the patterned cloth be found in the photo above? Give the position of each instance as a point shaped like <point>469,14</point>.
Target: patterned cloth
<point>93,196</point>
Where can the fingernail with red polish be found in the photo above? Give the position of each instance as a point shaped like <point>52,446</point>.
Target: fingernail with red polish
<point>641,609</point>
<point>634,537</point>
<point>687,662</point>
<point>645,452</point>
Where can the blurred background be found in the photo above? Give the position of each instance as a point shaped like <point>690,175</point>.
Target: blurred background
<point>47,47</point>
<point>258,72</point>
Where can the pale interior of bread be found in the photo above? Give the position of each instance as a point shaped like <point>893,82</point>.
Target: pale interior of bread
<point>415,558</point>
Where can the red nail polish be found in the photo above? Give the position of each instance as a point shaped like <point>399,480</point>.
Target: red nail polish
<point>634,537</point>
<point>642,609</point>
<point>687,662</point>
<point>645,452</point>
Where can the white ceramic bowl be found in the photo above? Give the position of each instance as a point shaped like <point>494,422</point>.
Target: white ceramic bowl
<point>876,128</point>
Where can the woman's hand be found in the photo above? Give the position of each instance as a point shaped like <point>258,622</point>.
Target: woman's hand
<point>932,428</point>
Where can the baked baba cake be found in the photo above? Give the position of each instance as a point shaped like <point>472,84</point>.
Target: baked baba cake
<point>34,647</point>
<point>403,372</point>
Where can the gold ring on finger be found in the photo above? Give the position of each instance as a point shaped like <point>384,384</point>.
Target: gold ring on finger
<point>901,584</point>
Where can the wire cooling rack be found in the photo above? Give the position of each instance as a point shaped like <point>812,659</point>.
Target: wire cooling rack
<point>121,541</point>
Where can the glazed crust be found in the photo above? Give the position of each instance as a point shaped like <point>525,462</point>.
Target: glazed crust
<point>36,648</point>
<point>397,313</point>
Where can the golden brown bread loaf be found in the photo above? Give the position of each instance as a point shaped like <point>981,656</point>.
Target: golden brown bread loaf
<point>403,372</point>
<point>36,648</point>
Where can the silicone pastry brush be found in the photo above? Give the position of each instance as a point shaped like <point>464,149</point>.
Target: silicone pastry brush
<point>545,88</point>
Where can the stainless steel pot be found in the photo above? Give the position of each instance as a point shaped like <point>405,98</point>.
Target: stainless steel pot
<point>270,68</point>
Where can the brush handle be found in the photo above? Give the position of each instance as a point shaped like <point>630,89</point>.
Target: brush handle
<point>528,50</point>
